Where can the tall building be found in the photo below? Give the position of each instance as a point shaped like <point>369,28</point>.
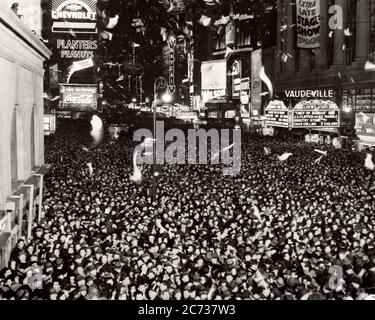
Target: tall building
<point>339,61</point>
<point>21,126</point>
<point>233,50</point>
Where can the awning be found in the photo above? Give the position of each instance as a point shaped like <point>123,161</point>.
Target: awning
<point>216,101</point>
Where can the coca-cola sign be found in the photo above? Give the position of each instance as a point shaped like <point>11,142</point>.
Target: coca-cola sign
<point>78,98</point>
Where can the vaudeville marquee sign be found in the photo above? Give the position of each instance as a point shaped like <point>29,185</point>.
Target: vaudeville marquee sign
<point>77,16</point>
<point>306,114</point>
<point>316,114</point>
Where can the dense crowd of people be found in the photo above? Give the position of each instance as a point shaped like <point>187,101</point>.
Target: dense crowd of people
<point>294,229</point>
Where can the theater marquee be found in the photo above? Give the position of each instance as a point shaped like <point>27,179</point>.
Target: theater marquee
<point>74,16</point>
<point>316,114</point>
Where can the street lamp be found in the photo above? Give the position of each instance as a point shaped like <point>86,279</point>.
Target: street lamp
<point>166,98</point>
<point>160,83</point>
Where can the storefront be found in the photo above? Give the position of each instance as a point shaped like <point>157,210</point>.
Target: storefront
<point>23,209</point>
<point>365,130</point>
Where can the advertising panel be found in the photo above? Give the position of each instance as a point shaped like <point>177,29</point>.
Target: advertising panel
<point>80,49</point>
<point>245,97</point>
<point>256,82</point>
<point>214,79</point>
<point>73,16</point>
<point>308,23</point>
<point>277,114</point>
<point>365,124</point>
<point>78,97</point>
<point>236,78</point>
<point>316,114</point>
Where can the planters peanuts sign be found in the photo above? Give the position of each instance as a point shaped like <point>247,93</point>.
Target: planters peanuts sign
<point>77,16</point>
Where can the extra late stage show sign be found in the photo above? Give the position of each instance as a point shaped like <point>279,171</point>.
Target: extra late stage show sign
<point>308,23</point>
<point>316,114</point>
<point>277,114</point>
<point>74,16</point>
<point>78,97</point>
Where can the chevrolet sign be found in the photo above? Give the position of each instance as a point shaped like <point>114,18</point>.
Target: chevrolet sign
<point>78,16</point>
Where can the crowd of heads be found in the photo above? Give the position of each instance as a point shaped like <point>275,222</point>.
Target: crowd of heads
<point>294,229</point>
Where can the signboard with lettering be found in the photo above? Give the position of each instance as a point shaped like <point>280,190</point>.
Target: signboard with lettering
<point>214,79</point>
<point>365,124</point>
<point>277,114</point>
<point>316,114</point>
<point>230,34</point>
<point>245,97</point>
<point>76,48</point>
<point>256,81</point>
<point>74,16</point>
<point>236,79</point>
<point>49,124</point>
<point>308,23</point>
<point>78,97</point>
<point>172,47</point>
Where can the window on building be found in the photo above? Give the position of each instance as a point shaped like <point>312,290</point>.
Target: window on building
<point>351,21</point>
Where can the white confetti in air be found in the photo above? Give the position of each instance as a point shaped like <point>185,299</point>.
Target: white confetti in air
<point>339,74</point>
<point>97,129</point>
<point>228,52</point>
<point>284,57</point>
<point>148,142</point>
<point>368,162</point>
<point>284,156</point>
<point>266,80</point>
<point>283,28</point>
<point>205,21</point>
<point>91,170</point>
<point>113,22</point>
<point>352,80</point>
<point>222,150</point>
<point>85,148</point>
<point>267,151</point>
<point>369,66</point>
<point>120,78</point>
<point>321,152</point>
<point>318,160</point>
<point>137,174</point>
<point>264,93</point>
<point>347,32</point>
<point>256,212</point>
<point>330,35</point>
<point>163,33</point>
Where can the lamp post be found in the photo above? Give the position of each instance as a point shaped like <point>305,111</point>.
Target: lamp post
<point>159,83</point>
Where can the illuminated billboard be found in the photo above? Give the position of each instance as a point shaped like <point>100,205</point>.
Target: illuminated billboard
<point>214,79</point>
<point>316,114</point>
<point>78,97</point>
<point>277,114</point>
<point>73,16</point>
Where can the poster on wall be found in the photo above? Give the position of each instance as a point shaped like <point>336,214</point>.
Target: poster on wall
<point>365,124</point>
<point>73,16</point>
<point>308,23</point>
<point>256,82</point>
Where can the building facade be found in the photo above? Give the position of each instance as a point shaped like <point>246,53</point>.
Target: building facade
<point>21,125</point>
<point>342,61</point>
